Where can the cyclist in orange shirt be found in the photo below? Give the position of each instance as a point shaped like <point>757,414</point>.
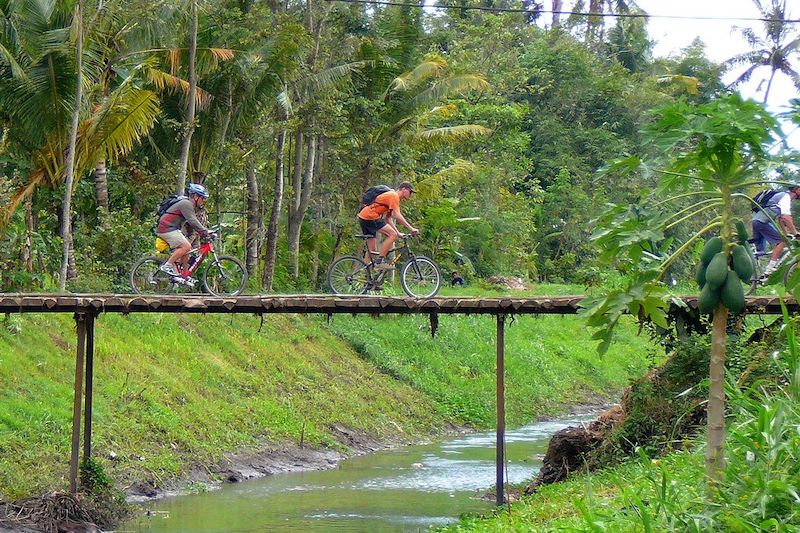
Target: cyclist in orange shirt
<point>380,216</point>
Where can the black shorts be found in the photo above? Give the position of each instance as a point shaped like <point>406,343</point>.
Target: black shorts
<point>371,227</point>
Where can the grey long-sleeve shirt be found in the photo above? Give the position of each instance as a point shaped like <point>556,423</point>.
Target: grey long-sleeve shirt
<point>181,211</point>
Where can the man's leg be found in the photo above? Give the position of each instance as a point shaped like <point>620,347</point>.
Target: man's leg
<point>390,235</point>
<point>371,244</point>
<point>180,248</point>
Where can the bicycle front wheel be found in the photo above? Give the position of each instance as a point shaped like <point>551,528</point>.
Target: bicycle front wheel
<point>146,277</point>
<point>420,277</point>
<point>348,275</point>
<point>225,276</point>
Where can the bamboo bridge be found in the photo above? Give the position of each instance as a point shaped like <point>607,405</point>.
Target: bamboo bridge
<point>86,307</point>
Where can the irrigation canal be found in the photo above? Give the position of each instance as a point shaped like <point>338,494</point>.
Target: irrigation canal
<point>411,488</point>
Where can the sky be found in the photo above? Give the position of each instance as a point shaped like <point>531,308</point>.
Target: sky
<point>722,42</point>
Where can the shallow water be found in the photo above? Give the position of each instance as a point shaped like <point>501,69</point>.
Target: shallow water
<point>406,489</point>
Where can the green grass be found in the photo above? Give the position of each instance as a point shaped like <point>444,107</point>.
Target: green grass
<point>551,361</point>
<point>173,390</point>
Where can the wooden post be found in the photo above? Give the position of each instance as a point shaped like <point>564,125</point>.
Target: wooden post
<point>87,415</point>
<point>501,407</point>
<point>80,322</point>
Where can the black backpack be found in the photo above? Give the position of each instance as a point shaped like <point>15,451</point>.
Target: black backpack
<point>369,196</point>
<point>169,202</point>
<point>763,200</point>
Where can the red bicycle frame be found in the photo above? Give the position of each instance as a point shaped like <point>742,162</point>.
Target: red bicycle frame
<point>205,248</point>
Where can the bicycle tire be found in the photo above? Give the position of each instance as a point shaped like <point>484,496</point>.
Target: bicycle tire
<point>789,273</point>
<point>232,275</point>
<point>419,272</point>
<point>146,277</point>
<point>348,275</point>
<point>754,279</point>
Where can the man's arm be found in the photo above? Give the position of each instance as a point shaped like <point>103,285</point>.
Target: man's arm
<point>397,215</point>
<point>187,210</point>
<point>787,224</point>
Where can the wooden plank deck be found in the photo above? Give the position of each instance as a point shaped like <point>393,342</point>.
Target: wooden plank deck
<point>320,304</point>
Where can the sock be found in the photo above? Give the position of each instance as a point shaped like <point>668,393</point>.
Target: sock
<point>772,264</point>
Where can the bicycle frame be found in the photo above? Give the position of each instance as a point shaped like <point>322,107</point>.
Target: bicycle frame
<point>400,251</point>
<point>205,248</point>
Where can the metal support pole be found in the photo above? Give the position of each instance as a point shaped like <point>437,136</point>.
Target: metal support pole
<point>80,322</point>
<point>501,407</point>
<point>87,416</point>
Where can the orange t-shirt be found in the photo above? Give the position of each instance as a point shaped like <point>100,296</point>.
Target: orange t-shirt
<point>388,201</point>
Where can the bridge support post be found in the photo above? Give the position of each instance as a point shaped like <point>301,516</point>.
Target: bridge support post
<point>80,322</point>
<point>87,414</point>
<point>501,408</point>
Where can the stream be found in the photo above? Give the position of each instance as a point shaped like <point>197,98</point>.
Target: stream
<point>412,488</point>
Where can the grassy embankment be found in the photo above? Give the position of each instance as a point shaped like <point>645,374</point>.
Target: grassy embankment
<point>173,391</point>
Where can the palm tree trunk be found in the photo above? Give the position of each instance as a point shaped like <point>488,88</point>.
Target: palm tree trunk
<point>251,240</point>
<point>27,250</point>
<point>556,15</point>
<point>302,192</point>
<point>769,85</point>
<point>594,21</point>
<point>66,214</point>
<point>191,104</point>
<point>715,452</point>
<point>274,218</point>
<point>101,187</point>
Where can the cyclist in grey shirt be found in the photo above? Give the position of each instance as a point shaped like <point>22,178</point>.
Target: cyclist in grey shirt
<point>169,226</point>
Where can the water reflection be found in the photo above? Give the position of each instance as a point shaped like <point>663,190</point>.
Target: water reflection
<point>407,489</point>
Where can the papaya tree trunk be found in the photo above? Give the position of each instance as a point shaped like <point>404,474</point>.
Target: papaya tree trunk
<point>251,240</point>
<point>66,214</point>
<point>274,218</point>
<point>190,105</point>
<point>715,453</point>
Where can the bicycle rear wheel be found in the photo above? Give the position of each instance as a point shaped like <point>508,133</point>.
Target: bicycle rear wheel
<point>225,276</point>
<point>146,277</point>
<point>348,275</point>
<point>420,277</point>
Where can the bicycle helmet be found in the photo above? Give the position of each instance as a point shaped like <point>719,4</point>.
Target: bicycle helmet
<point>196,188</point>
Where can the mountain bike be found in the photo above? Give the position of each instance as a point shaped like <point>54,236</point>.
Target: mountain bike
<point>224,275</point>
<point>350,274</point>
<point>761,259</point>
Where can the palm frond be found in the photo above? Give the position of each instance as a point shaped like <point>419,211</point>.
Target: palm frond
<point>35,179</point>
<point>455,85</point>
<point>460,171</point>
<point>452,134</point>
<point>689,83</point>
<point>122,121</point>
<point>164,81</point>
<point>223,54</point>
<point>285,102</point>
<point>426,70</point>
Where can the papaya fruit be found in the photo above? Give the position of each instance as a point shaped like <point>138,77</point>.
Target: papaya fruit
<point>709,298</point>
<point>713,247</point>
<point>742,263</point>
<point>732,293</point>
<point>741,233</point>
<point>717,271</point>
<point>700,275</point>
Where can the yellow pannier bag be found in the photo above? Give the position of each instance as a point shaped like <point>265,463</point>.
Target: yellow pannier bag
<point>161,245</point>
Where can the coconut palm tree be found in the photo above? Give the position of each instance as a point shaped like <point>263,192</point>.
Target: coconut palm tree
<point>775,50</point>
<point>38,94</point>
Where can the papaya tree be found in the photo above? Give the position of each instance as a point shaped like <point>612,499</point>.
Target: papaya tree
<point>711,156</point>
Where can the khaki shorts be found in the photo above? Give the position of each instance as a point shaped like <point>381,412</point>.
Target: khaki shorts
<point>174,238</point>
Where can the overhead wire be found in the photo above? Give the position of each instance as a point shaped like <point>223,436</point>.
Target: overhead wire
<point>568,13</point>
